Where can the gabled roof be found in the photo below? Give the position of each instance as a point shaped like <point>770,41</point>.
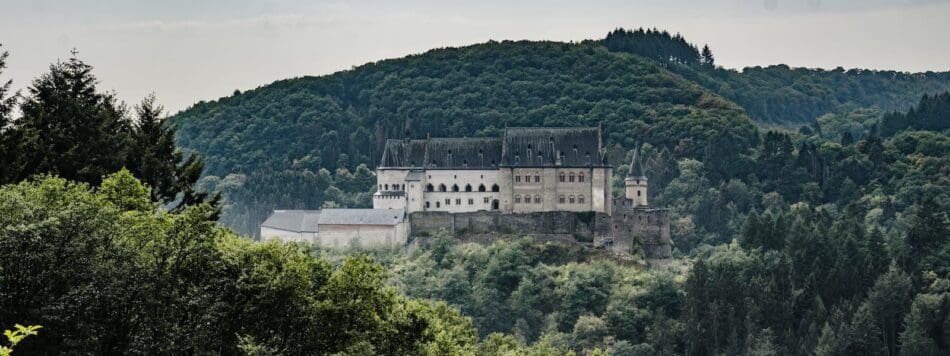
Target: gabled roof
<point>361,216</point>
<point>552,146</point>
<point>293,220</point>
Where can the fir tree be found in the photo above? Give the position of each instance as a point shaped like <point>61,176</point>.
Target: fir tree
<point>69,128</point>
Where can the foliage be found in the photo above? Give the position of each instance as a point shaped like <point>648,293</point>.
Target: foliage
<point>107,272</point>
<point>16,336</point>
<point>72,129</point>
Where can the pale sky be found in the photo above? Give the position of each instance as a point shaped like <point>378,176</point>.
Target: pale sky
<point>190,50</point>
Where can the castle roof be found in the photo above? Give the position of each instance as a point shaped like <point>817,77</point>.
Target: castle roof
<point>443,153</point>
<point>519,147</point>
<point>636,167</point>
<point>552,146</point>
<point>293,220</point>
<point>361,216</point>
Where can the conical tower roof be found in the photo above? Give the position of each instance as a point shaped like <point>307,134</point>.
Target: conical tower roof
<point>636,167</point>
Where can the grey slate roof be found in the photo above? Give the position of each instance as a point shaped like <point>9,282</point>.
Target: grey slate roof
<point>361,216</point>
<point>636,167</point>
<point>293,220</point>
<point>443,153</point>
<point>519,147</point>
<point>553,146</point>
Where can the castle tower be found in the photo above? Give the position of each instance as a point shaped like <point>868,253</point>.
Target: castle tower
<point>635,184</point>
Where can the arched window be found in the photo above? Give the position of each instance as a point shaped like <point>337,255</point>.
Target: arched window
<point>571,199</point>
<point>494,187</point>
<point>560,199</point>
<point>481,187</point>
<point>537,199</point>
<point>427,205</point>
<point>468,187</point>
<point>438,204</point>
<point>429,187</point>
<point>441,187</point>
<point>638,193</point>
<point>385,186</point>
<point>537,178</point>
<point>380,187</point>
<point>560,177</point>
<point>580,177</point>
<point>580,199</point>
<point>517,198</point>
<point>572,177</point>
<point>455,187</point>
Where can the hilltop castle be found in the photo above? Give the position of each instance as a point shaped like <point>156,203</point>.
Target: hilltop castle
<point>546,182</point>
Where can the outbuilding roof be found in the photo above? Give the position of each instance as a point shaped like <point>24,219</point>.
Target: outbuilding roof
<point>293,220</point>
<point>361,216</point>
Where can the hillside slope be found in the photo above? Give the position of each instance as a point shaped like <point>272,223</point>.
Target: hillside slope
<point>275,139</point>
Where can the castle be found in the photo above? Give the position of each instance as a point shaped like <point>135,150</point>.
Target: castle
<point>554,182</point>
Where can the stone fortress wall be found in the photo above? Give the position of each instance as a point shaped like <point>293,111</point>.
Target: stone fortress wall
<point>630,229</point>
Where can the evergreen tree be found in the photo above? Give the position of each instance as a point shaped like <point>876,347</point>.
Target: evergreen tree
<point>69,128</point>
<point>7,142</point>
<point>707,56</point>
<point>155,159</point>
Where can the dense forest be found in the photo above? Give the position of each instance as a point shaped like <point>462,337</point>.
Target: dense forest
<point>828,239</point>
<point>265,147</point>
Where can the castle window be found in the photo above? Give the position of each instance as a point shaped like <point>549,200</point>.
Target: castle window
<point>537,179</point>
<point>494,187</point>
<point>486,200</point>
<point>427,205</point>
<point>537,199</point>
<point>572,177</point>
<point>380,187</point>
<point>471,201</point>
<point>560,177</point>
<point>448,201</point>
<point>517,179</point>
<point>429,187</point>
<point>458,201</point>
<point>580,199</point>
<point>468,187</point>
<point>580,177</point>
<point>438,205</point>
<point>527,178</point>
<point>638,193</point>
<point>571,199</point>
<point>455,187</point>
<point>527,199</point>
<point>386,187</point>
<point>560,199</point>
<point>517,198</point>
<point>441,187</point>
<point>481,187</point>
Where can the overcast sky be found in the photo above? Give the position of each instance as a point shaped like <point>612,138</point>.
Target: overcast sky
<point>188,50</point>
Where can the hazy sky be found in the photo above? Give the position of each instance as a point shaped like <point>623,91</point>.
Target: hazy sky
<point>190,50</point>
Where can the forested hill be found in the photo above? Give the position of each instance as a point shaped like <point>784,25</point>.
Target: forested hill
<point>265,148</point>
<point>779,94</point>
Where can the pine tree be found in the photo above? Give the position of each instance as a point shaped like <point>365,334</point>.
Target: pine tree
<point>69,128</point>
<point>7,142</point>
<point>154,158</point>
<point>707,56</point>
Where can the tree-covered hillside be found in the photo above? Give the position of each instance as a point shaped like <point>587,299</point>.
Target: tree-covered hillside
<point>779,94</point>
<point>265,148</point>
<point>267,140</point>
